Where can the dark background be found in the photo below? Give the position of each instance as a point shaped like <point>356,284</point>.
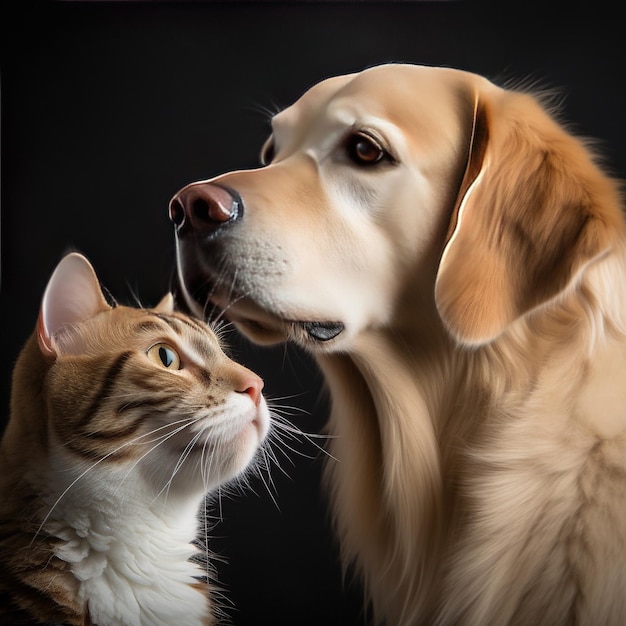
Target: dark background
<point>108,108</point>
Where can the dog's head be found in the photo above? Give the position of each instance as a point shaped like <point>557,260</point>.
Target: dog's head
<point>399,179</point>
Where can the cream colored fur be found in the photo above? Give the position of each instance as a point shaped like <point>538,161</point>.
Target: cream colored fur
<point>478,471</point>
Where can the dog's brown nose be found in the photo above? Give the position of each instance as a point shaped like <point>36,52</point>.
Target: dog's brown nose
<point>204,207</point>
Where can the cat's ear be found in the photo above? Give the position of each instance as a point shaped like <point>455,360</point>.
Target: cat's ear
<point>73,294</point>
<point>166,305</point>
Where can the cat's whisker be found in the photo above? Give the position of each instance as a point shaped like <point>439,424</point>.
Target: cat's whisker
<point>277,444</point>
<point>181,424</point>
<point>181,460</point>
<point>220,515</point>
<point>291,433</point>
<point>267,488</point>
<point>265,453</point>
<point>231,304</point>
<point>204,518</point>
<point>221,327</point>
<point>135,295</point>
<point>185,423</point>
<point>273,457</point>
<point>279,413</point>
<point>296,434</point>
<point>288,406</point>
<point>205,466</point>
<point>209,313</point>
<point>284,426</point>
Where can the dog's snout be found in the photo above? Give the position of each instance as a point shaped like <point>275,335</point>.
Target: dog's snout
<point>204,207</point>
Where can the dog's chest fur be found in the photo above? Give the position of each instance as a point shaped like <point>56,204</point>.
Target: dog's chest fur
<point>518,475</point>
<point>540,496</point>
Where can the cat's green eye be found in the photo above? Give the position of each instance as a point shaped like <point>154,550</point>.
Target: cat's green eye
<point>165,356</point>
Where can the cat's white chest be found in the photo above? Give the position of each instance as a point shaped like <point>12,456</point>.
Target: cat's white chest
<point>133,568</point>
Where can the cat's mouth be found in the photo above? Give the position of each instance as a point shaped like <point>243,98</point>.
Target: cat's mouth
<point>256,426</point>
<point>252,318</point>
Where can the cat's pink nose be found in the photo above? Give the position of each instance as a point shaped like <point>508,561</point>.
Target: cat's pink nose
<point>252,385</point>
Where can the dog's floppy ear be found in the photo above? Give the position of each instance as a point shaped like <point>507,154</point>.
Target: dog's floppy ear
<point>533,210</point>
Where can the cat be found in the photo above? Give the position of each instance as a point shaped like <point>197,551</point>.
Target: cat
<point>122,419</point>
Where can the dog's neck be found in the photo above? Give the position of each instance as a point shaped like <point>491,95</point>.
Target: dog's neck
<point>396,394</point>
<point>382,420</point>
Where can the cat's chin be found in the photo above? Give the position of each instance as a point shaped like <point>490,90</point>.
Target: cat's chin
<point>245,446</point>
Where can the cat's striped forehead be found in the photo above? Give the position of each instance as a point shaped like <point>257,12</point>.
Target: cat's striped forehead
<point>197,336</point>
<point>128,328</point>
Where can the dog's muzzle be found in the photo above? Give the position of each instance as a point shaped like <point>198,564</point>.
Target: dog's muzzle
<point>199,212</point>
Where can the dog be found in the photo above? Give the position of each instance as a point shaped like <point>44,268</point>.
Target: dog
<point>454,257</point>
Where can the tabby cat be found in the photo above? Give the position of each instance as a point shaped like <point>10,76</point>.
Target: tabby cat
<point>121,420</point>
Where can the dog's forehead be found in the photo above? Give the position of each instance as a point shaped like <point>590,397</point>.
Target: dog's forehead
<point>400,93</point>
<point>397,93</point>
<point>313,100</point>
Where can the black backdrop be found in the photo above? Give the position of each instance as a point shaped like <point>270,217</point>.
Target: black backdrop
<point>108,108</point>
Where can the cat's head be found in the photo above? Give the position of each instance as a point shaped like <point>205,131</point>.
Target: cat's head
<point>149,391</point>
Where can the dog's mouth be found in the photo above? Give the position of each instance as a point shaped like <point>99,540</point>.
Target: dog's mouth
<point>322,331</point>
<point>212,303</point>
<point>272,329</point>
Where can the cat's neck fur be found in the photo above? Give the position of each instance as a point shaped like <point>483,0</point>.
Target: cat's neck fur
<point>124,556</point>
<point>131,558</point>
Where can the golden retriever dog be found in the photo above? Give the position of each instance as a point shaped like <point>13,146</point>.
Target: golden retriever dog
<point>455,259</point>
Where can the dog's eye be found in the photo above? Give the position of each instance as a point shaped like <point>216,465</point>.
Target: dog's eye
<point>268,152</point>
<point>363,149</point>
